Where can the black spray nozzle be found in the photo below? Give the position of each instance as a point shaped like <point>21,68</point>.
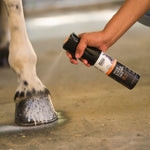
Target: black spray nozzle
<point>71,43</point>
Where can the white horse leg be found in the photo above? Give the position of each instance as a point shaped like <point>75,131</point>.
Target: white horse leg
<point>4,35</point>
<point>33,104</point>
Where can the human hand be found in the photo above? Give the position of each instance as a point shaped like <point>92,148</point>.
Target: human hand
<point>74,61</point>
<point>93,39</point>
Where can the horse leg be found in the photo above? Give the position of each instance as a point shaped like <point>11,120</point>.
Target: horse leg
<point>33,104</point>
<point>4,35</point>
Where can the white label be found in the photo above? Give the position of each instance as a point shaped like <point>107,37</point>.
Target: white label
<point>104,62</point>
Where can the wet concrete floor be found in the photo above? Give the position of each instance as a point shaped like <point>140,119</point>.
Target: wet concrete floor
<point>96,113</point>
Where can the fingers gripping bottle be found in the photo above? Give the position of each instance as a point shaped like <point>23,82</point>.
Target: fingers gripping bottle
<point>103,62</point>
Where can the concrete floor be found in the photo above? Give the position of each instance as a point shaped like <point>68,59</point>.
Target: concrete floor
<point>95,112</point>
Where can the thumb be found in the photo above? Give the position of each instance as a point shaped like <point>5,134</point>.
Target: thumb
<point>80,48</point>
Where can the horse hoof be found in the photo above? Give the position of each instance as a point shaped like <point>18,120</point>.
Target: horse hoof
<point>35,111</point>
<point>4,52</point>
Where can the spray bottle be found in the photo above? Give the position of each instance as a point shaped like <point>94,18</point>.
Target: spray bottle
<point>103,62</point>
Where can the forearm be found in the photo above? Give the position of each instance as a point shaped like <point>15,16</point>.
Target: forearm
<point>127,15</point>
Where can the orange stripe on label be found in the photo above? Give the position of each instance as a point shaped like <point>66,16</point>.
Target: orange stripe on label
<point>112,67</point>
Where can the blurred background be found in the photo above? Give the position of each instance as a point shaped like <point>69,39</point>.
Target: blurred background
<point>37,5</point>
<point>58,18</point>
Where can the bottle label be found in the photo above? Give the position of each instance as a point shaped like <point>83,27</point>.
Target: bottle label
<point>124,75</point>
<point>105,63</point>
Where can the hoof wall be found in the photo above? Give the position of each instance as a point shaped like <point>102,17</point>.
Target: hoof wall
<point>35,111</point>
